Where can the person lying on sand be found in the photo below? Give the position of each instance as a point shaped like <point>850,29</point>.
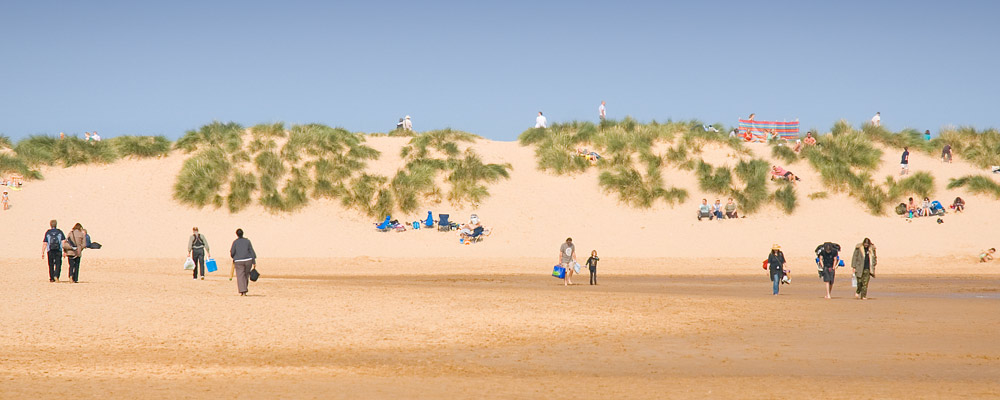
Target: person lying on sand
<point>781,173</point>
<point>987,255</point>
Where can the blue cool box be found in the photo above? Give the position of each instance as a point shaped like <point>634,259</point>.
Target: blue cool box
<point>211,266</point>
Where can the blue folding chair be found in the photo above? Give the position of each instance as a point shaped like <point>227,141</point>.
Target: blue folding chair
<point>443,224</point>
<point>429,222</point>
<point>385,226</point>
<point>476,235</point>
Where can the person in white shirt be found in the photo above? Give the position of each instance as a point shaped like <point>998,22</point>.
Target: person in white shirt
<point>540,122</point>
<point>877,119</point>
<point>602,111</point>
<point>95,137</point>
<point>407,124</point>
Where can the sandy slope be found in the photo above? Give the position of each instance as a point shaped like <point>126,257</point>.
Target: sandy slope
<point>128,207</point>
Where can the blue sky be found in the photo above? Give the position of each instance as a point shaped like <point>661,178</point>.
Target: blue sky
<point>488,67</point>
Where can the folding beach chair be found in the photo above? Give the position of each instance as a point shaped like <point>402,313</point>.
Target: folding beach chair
<point>443,224</point>
<point>476,236</point>
<point>429,222</point>
<point>385,226</point>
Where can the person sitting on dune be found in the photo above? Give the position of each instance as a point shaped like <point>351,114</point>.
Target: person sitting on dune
<point>717,210</point>
<point>809,140</point>
<point>925,207</point>
<point>731,209</point>
<point>913,209</point>
<point>468,228</point>
<point>781,173</point>
<point>705,210</point>
<point>987,255</point>
<point>958,205</point>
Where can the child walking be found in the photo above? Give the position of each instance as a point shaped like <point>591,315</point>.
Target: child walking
<point>592,265</point>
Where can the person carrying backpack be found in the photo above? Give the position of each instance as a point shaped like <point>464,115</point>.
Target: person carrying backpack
<point>52,246</point>
<point>827,259</point>
<point>197,246</point>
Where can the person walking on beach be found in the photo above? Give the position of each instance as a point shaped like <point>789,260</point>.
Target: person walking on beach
<point>877,119</point>
<point>197,246</point>
<point>73,247</point>
<point>5,201</point>
<point>540,121</point>
<point>567,256</point>
<point>776,267</point>
<point>904,162</point>
<point>602,111</point>
<point>52,246</point>
<point>829,257</point>
<point>592,266</point>
<point>863,262</point>
<point>244,259</point>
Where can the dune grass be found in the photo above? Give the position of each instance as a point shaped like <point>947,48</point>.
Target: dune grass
<point>140,146</point>
<point>5,142</point>
<point>202,177</point>
<point>980,148</point>
<point>786,199</point>
<point>977,184</point>
<point>368,193</point>
<point>411,184</point>
<point>920,183</point>
<point>444,141</point>
<point>638,190</point>
<point>469,175</point>
<point>784,153</point>
<point>268,131</point>
<point>818,195</point>
<point>718,180</point>
<point>12,164</point>
<point>241,190</point>
<point>47,150</point>
<point>752,193</point>
<point>216,134</point>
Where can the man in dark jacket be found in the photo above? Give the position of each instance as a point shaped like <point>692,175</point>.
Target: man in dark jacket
<point>244,259</point>
<point>829,257</point>
<point>52,246</point>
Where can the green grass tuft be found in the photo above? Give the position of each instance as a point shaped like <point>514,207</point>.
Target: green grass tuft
<point>818,195</point>
<point>229,136</point>
<point>141,146</point>
<point>241,190</point>
<point>786,198</point>
<point>718,180</point>
<point>784,153</point>
<point>201,178</point>
<point>979,184</point>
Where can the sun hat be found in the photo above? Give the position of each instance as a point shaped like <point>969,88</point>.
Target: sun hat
<point>775,247</point>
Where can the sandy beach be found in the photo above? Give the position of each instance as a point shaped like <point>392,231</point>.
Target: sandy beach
<point>433,328</point>
<point>682,310</point>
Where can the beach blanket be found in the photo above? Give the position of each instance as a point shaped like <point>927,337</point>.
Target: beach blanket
<point>759,129</point>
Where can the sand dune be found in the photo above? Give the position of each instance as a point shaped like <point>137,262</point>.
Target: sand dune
<point>128,207</point>
<point>343,311</point>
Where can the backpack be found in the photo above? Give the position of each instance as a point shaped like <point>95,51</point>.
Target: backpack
<point>901,209</point>
<point>197,240</point>
<point>52,238</point>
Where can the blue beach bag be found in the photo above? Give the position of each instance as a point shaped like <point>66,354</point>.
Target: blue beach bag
<point>211,266</point>
<point>559,272</point>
